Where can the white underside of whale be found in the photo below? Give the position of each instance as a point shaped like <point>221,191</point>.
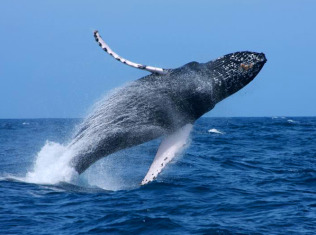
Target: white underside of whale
<point>170,147</point>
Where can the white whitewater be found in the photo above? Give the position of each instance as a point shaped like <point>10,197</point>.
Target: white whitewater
<point>213,130</point>
<point>51,165</point>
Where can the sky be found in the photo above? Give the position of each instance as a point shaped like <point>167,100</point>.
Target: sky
<point>51,67</point>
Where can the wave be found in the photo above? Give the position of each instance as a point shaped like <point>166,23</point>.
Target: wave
<point>213,130</point>
<point>291,121</point>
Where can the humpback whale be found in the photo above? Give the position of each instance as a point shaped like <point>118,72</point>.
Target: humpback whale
<point>165,103</point>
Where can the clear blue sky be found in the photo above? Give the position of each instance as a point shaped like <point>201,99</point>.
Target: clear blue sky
<point>50,65</point>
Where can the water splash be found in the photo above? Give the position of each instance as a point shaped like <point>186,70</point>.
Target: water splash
<point>52,165</point>
<point>108,174</point>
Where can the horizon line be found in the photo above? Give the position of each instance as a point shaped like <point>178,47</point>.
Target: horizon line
<point>272,116</point>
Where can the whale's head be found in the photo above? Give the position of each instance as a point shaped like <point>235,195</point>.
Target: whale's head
<point>232,72</point>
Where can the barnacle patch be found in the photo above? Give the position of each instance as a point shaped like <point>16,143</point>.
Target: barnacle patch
<point>246,66</point>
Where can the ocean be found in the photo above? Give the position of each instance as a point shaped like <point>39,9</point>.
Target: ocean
<point>237,176</point>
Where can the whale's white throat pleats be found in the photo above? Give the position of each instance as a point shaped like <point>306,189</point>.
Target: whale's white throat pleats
<point>107,49</point>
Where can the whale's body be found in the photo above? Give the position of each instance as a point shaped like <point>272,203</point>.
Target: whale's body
<point>145,109</point>
<point>161,105</point>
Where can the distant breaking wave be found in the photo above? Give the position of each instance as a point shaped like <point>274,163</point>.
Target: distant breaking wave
<point>213,130</point>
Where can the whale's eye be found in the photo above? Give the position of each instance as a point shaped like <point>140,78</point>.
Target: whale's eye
<point>246,66</point>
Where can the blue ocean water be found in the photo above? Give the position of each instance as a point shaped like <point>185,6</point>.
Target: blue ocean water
<point>244,176</point>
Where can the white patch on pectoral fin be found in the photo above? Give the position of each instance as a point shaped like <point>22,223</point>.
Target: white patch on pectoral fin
<point>168,149</point>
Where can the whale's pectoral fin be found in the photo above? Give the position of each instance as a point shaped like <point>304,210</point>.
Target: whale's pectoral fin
<point>168,149</point>
<point>107,49</point>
